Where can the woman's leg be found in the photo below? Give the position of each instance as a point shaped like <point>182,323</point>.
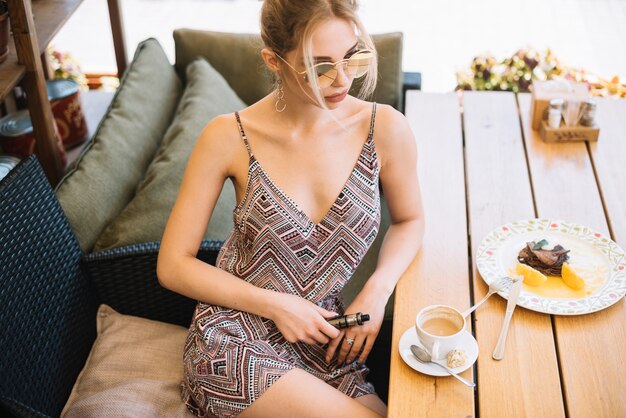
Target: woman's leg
<point>374,403</point>
<point>300,394</point>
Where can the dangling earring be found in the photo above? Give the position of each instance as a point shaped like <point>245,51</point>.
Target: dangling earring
<point>281,103</point>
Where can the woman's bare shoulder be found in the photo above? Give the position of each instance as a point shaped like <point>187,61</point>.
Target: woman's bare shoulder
<point>220,144</point>
<point>221,135</point>
<point>388,118</point>
<point>222,126</point>
<point>392,128</point>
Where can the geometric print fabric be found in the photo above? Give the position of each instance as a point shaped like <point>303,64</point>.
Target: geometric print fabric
<point>231,357</point>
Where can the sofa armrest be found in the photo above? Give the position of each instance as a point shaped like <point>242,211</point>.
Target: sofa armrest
<point>47,319</point>
<point>125,279</point>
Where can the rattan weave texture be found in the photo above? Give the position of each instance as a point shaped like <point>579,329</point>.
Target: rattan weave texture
<point>125,278</point>
<point>47,314</point>
<point>50,291</point>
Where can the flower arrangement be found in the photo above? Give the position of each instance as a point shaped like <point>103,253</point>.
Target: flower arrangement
<point>66,67</point>
<point>517,73</point>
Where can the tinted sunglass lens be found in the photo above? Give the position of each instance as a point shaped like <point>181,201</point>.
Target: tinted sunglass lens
<point>359,63</point>
<point>326,74</point>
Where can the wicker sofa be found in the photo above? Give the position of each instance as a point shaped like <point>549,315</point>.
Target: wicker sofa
<point>86,329</point>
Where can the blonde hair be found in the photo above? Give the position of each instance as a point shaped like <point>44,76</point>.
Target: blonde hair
<point>288,25</point>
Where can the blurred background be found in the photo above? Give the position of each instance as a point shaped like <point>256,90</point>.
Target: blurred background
<point>441,38</point>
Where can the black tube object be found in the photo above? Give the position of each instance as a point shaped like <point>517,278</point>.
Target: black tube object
<point>349,320</point>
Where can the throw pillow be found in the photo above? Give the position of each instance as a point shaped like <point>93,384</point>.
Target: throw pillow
<point>103,180</point>
<point>206,95</point>
<point>244,70</point>
<point>134,370</point>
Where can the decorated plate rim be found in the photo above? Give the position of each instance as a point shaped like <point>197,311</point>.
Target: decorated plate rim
<point>610,293</point>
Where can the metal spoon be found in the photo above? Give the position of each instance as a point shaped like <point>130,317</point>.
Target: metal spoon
<point>502,283</point>
<point>424,357</point>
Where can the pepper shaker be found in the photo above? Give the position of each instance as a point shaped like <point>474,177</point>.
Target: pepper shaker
<point>588,113</point>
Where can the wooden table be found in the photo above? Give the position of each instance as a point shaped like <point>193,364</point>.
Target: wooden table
<point>482,166</point>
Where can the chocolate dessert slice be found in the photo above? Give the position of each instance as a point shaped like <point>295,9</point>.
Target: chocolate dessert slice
<point>548,262</point>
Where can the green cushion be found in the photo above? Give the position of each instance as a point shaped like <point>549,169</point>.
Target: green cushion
<point>390,78</point>
<point>238,58</point>
<point>103,180</point>
<point>206,95</point>
<point>234,55</point>
<point>368,265</point>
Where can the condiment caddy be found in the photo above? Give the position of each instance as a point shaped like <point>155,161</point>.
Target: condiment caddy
<point>562,111</point>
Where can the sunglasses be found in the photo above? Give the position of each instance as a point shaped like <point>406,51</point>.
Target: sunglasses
<point>357,65</point>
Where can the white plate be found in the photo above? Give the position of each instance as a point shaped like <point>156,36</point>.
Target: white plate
<point>409,337</point>
<point>497,256</point>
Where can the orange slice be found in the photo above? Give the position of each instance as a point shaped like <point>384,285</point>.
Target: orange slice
<point>570,277</point>
<point>531,276</point>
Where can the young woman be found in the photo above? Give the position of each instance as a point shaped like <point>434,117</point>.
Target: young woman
<point>306,162</point>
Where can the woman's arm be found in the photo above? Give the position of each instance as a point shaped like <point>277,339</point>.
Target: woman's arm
<point>398,175</point>
<point>396,148</point>
<point>214,159</point>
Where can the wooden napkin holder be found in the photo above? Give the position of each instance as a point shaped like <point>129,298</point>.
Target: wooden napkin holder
<point>568,133</point>
<point>544,91</point>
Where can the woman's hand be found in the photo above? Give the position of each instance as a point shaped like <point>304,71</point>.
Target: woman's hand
<point>301,320</point>
<point>362,337</point>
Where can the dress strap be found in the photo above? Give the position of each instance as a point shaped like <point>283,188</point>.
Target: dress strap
<point>243,134</point>
<point>371,134</point>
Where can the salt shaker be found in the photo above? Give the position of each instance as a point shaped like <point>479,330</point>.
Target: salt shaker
<point>555,113</point>
<point>588,113</point>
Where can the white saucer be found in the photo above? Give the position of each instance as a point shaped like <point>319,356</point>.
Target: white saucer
<point>409,337</point>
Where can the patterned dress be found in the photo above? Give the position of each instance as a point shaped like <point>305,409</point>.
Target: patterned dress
<point>232,357</point>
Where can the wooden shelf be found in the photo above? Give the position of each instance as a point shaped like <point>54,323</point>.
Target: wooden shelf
<point>49,16</point>
<point>10,74</point>
<point>33,24</point>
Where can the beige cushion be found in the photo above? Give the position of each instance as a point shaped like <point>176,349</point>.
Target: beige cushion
<point>103,180</point>
<point>206,96</point>
<point>238,58</point>
<point>134,370</point>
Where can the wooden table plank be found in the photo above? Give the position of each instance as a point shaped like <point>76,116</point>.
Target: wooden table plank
<point>526,382</point>
<point>609,157</point>
<point>565,187</point>
<point>562,177</point>
<point>439,274</point>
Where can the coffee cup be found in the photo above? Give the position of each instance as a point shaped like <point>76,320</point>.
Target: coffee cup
<point>439,329</point>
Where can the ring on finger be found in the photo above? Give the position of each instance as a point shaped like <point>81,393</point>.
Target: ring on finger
<point>349,341</point>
